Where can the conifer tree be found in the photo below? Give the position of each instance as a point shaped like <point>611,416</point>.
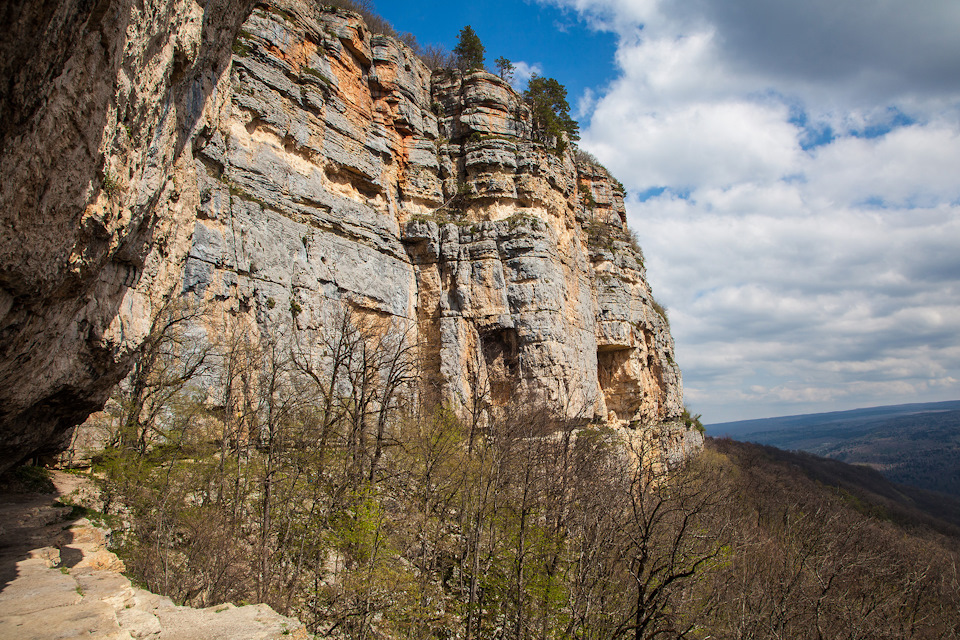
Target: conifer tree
<point>551,112</point>
<point>469,50</point>
<point>505,68</point>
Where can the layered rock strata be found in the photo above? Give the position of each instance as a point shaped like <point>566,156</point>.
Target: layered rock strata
<point>100,104</point>
<point>322,165</point>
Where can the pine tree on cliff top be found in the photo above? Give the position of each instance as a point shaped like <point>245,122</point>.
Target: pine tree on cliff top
<point>469,50</point>
<point>505,67</point>
<point>551,112</point>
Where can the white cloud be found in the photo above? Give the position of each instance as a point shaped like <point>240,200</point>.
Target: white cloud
<point>522,73</point>
<point>585,105</point>
<point>806,235</point>
<point>910,166</point>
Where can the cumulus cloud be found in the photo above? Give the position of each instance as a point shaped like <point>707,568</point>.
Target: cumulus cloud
<point>522,73</point>
<point>792,170</point>
<point>870,49</point>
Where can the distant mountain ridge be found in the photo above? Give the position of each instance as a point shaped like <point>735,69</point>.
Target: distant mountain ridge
<point>738,428</point>
<point>914,444</point>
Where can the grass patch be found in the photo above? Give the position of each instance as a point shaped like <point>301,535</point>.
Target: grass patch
<point>243,195</point>
<point>519,219</point>
<point>111,184</point>
<point>660,309</point>
<point>319,75</point>
<point>476,136</point>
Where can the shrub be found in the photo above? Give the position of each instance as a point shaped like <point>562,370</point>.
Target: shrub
<point>585,157</point>
<point>375,22</point>
<point>436,57</point>
<point>660,309</point>
<point>111,184</point>
<point>587,197</point>
<point>433,56</point>
<point>692,421</point>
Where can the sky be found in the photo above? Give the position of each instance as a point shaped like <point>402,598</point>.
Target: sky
<point>793,175</point>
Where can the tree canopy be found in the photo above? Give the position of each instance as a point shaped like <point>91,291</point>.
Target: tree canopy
<point>551,112</point>
<point>469,50</point>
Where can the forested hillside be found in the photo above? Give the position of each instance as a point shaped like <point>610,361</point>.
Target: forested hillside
<point>917,444</point>
<point>514,525</point>
<point>337,491</point>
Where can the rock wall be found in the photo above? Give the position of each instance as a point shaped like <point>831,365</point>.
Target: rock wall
<point>101,100</point>
<point>296,162</point>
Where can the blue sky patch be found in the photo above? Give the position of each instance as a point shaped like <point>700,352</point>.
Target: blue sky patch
<point>649,194</point>
<point>576,55</point>
<point>812,134</point>
<point>896,120</point>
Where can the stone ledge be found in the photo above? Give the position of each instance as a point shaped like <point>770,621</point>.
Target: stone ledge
<point>72,587</point>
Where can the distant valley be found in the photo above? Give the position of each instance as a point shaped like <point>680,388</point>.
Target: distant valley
<point>914,444</point>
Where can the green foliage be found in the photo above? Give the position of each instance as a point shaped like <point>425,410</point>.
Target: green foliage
<point>280,13</point>
<point>692,421</point>
<point>319,75</point>
<point>239,192</point>
<point>586,196</point>
<point>318,478</point>
<point>551,112</point>
<point>602,235</point>
<point>476,137</point>
<point>523,219</point>
<point>469,50</point>
<point>241,44</point>
<point>111,184</point>
<point>357,531</point>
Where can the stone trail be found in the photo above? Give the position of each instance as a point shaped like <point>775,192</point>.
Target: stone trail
<point>58,580</point>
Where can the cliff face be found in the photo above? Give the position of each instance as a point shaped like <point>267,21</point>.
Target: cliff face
<point>316,166</point>
<point>100,102</point>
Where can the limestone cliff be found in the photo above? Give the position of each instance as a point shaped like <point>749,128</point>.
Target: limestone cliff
<point>101,100</point>
<point>314,164</point>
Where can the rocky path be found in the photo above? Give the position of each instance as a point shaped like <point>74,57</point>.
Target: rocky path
<point>58,580</point>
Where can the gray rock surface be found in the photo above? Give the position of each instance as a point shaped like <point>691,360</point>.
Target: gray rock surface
<point>317,165</point>
<point>100,105</point>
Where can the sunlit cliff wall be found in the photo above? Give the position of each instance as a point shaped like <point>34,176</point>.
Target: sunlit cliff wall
<point>286,166</point>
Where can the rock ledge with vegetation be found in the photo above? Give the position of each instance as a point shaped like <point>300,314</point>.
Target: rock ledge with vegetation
<point>61,581</point>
